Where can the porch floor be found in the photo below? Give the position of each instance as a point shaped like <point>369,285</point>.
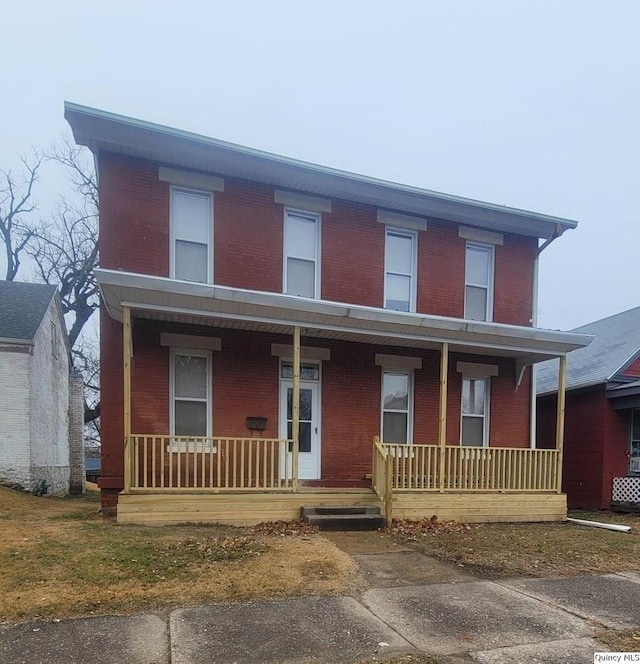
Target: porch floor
<point>247,509</point>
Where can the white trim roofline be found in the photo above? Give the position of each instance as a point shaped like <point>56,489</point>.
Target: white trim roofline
<point>100,130</point>
<point>150,293</point>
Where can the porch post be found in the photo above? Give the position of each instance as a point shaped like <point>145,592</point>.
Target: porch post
<point>295,415</point>
<point>442,428</point>
<point>562,379</point>
<point>126,366</point>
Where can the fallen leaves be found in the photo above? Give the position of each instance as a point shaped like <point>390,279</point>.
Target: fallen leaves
<point>412,530</point>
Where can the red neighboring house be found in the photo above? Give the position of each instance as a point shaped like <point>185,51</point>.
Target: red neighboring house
<point>602,430</point>
<point>276,334</point>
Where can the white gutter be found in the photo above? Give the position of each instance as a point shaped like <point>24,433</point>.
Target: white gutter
<point>599,524</point>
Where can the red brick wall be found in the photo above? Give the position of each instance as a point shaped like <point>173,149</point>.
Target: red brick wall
<point>352,255</point>
<point>441,257</point>
<point>248,229</point>
<point>111,401</point>
<point>246,383</point>
<point>512,301</point>
<point>134,216</point>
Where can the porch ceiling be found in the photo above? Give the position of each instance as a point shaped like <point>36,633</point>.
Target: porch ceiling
<point>160,298</point>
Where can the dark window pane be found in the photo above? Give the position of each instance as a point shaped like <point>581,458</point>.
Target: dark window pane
<point>190,418</point>
<point>636,425</point>
<point>473,431</point>
<point>305,436</point>
<point>394,428</point>
<point>305,404</point>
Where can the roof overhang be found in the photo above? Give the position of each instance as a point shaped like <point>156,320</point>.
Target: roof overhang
<point>100,130</point>
<point>165,299</point>
<point>624,396</point>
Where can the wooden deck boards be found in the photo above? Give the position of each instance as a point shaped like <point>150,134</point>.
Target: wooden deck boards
<point>252,508</point>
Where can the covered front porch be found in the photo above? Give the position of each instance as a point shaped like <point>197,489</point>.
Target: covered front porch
<point>250,478</point>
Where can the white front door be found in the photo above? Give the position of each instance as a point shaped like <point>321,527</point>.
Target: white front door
<point>309,431</point>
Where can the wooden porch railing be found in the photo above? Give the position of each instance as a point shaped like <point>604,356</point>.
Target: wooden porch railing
<point>417,468</point>
<point>381,477</point>
<point>211,464</point>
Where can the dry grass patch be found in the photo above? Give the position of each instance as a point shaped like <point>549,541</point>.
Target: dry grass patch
<point>529,549</point>
<point>58,558</point>
<point>627,640</point>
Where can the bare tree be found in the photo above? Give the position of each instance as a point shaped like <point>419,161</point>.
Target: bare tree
<point>64,250</point>
<point>16,206</point>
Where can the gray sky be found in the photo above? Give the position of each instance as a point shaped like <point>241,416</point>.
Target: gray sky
<point>533,104</point>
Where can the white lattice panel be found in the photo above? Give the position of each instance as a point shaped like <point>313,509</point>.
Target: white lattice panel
<point>626,490</point>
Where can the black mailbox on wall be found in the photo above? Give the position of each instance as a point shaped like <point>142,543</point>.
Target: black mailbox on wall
<point>256,423</point>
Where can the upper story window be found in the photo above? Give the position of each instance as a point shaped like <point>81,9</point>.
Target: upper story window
<point>301,254</point>
<point>400,270</point>
<point>191,235</point>
<point>478,296</point>
<point>475,412</point>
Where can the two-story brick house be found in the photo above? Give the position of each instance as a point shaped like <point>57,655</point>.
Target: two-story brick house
<point>276,333</point>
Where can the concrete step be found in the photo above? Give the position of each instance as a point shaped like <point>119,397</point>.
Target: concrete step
<point>344,517</point>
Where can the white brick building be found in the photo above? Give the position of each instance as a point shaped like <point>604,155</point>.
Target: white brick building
<point>41,400</point>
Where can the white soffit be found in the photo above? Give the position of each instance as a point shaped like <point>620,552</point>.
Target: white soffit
<point>190,341</point>
<point>306,352</point>
<point>302,201</point>
<point>476,370</point>
<point>190,179</point>
<point>479,235</point>
<point>398,361</point>
<point>402,220</point>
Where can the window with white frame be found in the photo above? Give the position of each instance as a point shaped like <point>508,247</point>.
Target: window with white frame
<point>191,393</point>
<point>301,254</point>
<point>474,430</point>
<point>191,235</point>
<point>397,406</point>
<point>400,270</point>
<point>478,296</point>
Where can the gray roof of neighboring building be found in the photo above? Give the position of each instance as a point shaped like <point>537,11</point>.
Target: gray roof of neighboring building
<point>22,308</point>
<point>616,343</point>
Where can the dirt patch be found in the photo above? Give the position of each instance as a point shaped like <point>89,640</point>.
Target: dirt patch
<point>620,640</point>
<point>58,559</point>
<point>497,550</point>
<point>365,542</point>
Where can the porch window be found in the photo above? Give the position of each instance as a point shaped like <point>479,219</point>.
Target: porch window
<point>191,235</point>
<point>397,407</point>
<point>478,297</point>
<point>400,269</point>
<point>191,381</point>
<point>634,459</point>
<point>301,264</point>
<point>475,410</point>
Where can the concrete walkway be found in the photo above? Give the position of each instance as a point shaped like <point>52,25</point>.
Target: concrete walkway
<point>415,605</point>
